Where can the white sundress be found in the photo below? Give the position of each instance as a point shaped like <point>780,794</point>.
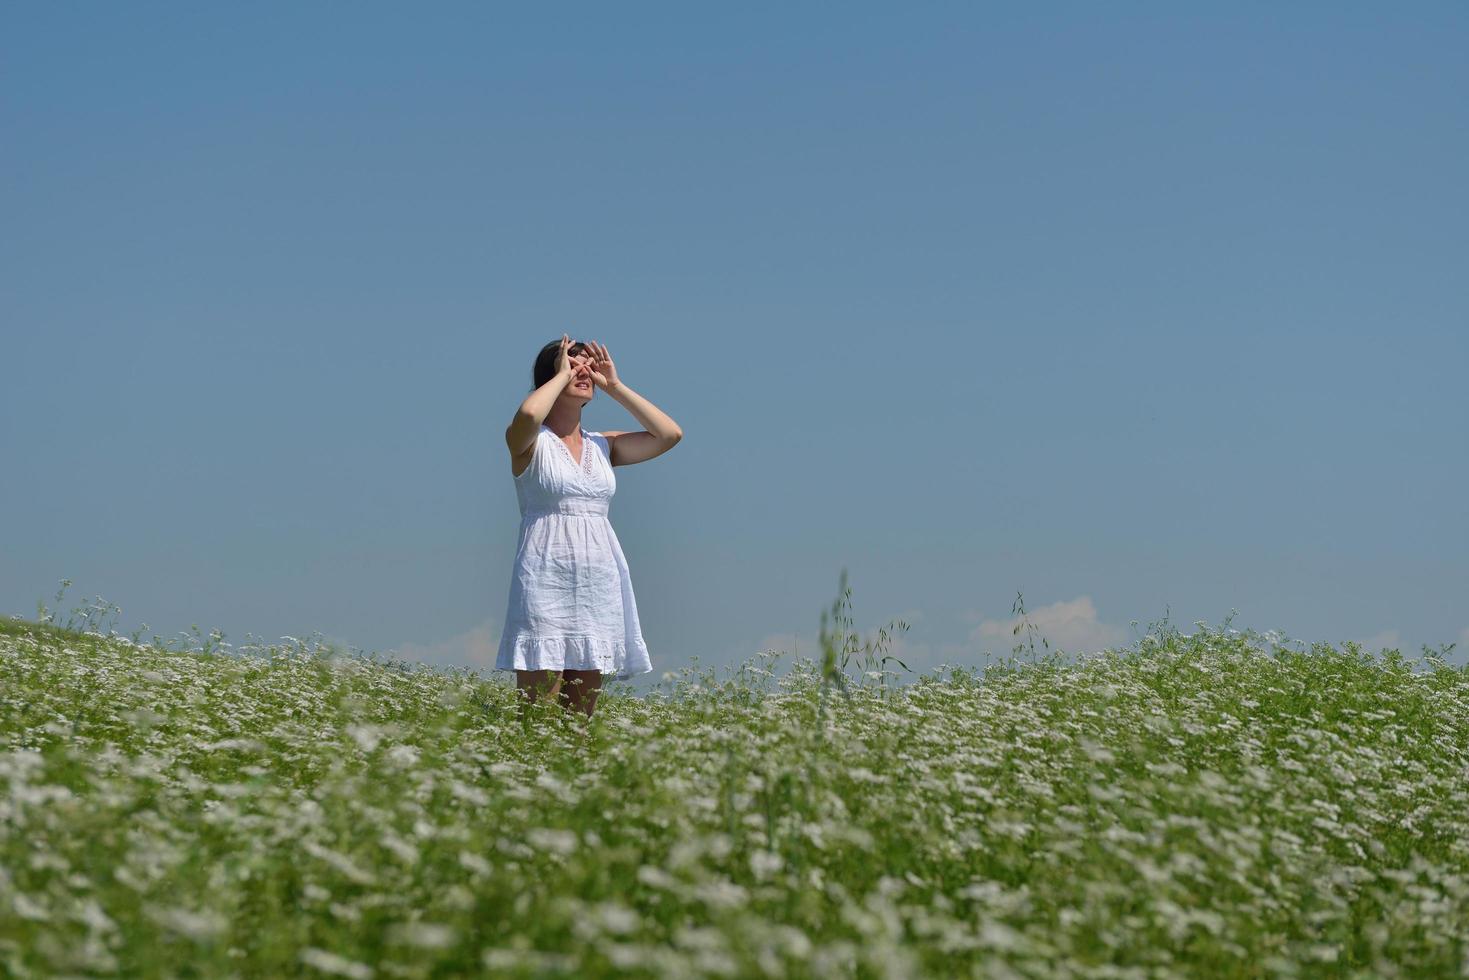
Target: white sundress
<point>571,597</point>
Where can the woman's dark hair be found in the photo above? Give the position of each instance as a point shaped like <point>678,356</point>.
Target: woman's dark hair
<point>545,368</point>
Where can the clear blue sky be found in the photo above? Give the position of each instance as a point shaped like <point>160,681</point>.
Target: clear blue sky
<point>1136,310</point>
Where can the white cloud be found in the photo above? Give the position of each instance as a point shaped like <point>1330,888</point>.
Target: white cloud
<point>792,643</point>
<point>808,646</point>
<point>922,657</point>
<point>1387,639</point>
<point>1463,639</point>
<point>909,616</point>
<point>475,647</point>
<point>1071,626</point>
<point>789,645</point>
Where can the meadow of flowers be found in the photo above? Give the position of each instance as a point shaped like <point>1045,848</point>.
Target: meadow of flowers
<point>1205,804</point>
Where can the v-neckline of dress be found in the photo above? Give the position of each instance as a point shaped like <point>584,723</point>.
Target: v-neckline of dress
<point>581,463</point>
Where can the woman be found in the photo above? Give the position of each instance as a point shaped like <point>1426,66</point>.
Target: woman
<point>572,616</point>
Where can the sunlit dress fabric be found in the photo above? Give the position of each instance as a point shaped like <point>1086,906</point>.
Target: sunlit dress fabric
<point>571,597</point>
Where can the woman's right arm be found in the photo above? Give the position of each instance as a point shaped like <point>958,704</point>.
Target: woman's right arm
<point>520,435</point>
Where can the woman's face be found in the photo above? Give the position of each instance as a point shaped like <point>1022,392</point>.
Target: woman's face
<point>581,386</point>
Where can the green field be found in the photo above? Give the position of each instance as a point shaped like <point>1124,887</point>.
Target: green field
<point>1202,804</point>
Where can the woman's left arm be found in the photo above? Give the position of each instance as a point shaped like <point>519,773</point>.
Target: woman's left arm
<point>633,447</point>
<point>659,425</point>
<point>626,448</point>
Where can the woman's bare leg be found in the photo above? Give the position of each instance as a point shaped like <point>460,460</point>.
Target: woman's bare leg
<point>581,689</point>
<point>537,683</point>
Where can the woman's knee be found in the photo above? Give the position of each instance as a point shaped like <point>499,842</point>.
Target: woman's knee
<point>533,683</point>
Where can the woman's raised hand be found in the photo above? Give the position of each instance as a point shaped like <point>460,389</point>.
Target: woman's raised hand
<point>604,373</point>
<point>563,357</point>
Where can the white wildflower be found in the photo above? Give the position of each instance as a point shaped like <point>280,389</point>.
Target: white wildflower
<point>403,756</point>
<point>336,965</point>
<point>198,926</point>
<point>475,863</point>
<point>557,841</point>
<point>424,935</point>
<point>339,861</point>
